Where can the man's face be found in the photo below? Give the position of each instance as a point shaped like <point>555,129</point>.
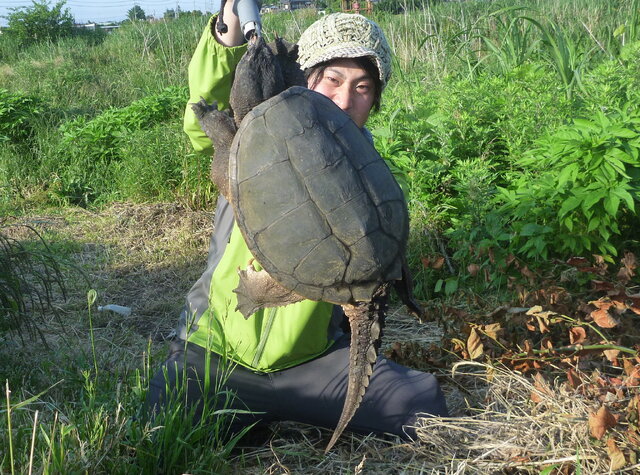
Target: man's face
<point>349,86</point>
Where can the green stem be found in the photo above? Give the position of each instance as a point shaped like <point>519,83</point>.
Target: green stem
<point>8,392</point>
<point>575,349</point>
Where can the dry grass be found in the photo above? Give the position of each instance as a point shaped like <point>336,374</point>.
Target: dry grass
<point>147,257</point>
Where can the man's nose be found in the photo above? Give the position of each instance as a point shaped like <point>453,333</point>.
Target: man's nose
<point>343,99</point>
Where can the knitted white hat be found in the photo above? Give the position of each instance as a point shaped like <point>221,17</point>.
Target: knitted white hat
<point>345,35</point>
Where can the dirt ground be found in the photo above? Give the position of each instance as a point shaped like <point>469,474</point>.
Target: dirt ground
<point>146,257</point>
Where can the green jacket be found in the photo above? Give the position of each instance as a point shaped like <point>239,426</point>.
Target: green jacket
<point>274,338</point>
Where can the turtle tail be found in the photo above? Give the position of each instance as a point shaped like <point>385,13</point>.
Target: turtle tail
<point>366,320</point>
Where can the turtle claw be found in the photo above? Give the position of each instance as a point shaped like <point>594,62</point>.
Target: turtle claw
<point>257,290</point>
<point>246,290</point>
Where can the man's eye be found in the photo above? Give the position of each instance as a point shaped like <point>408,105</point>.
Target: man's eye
<point>331,79</point>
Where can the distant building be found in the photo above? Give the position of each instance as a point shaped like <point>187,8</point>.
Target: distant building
<point>108,27</point>
<point>296,4</point>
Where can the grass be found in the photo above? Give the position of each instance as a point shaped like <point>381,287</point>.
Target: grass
<point>475,85</point>
<point>146,257</point>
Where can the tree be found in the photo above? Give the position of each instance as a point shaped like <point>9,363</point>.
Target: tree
<point>39,23</point>
<point>136,13</point>
<point>169,14</point>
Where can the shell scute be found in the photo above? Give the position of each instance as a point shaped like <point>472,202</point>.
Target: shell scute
<point>313,151</point>
<point>303,226</point>
<point>334,258</point>
<point>354,219</point>
<point>267,203</point>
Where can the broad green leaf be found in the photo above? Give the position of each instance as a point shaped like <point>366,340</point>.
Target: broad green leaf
<point>531,229</point>
<point>451,286</point>
<point>568,172</point>
<point>611,204</point>
<point>593,224</point>
<point>438,286</point>
<point>568,222</point>
<point>592,199</point>
<point>569,204</point>
<point>623,132</point>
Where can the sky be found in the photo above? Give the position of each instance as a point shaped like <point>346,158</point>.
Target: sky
<point>114,10</point>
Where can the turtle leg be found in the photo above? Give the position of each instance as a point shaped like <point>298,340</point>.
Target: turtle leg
<point>366,320</point>
<point>404,288</point>
<point>257,290</point>
<point>220,128</point>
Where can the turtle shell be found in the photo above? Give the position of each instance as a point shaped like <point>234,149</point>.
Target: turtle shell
<point>317,205</point>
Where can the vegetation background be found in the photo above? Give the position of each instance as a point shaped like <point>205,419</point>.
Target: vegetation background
<point>518,125</point>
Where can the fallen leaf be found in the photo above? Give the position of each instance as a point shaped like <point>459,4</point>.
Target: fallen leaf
<point>578,262</point>
<point>474,345</point>
<point>611,355</point>
<point>473,269</point>
<point>625,274</point>
<point>600,422</point>
<point>628,366</point>
<point>577,335</point>
<point>542,387</point>
<point>633,436</point>
<point>542,324</point>
<point>601,315</point>
<point>573,379</point>
<point>629,260</point>
<point>601,264</point>
<point>615,454</point>
<point>633,378</point>
<point>525,271</point>
<point>426,262</point>
<point>528,347</point>
<point>438,263</point>
<point>492,330</point>
<point>601,286</point>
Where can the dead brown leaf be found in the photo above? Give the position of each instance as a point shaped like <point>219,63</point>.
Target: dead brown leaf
<point>531,277</point>
<point>612,355</point>
<point>492,330</point>
<point>475,348</point>
<point>602,286</point>
<point>542,388</point>
<point>573,379</point>
<point>615,454</point>
<point>473,269</point>
<point>438,262</point>
<point>601,315</point>
<point>578,262</point>
<point>600,422</point>
<point>577,335</point>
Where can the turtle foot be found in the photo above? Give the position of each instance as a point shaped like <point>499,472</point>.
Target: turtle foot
<point>257,290</point>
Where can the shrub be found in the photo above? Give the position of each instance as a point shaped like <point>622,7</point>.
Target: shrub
<point>38,23</point>
<point>580,194</point>
<point>89,146</point>
<point>17,114</point>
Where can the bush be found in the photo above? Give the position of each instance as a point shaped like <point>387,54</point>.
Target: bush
<point>579,197</point>
<point>37,23</point>
<point>17,115</point>
<point>89,146</point>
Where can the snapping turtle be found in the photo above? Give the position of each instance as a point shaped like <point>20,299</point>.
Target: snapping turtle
<point>317,205</point>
